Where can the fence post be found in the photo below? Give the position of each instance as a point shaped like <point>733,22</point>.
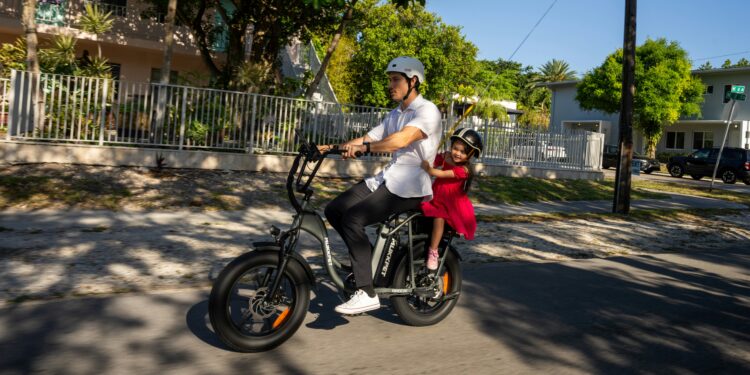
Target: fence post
<point>103,112</point>
<point>11,102</point>
<point>182,117</point>
<point>251,144</point>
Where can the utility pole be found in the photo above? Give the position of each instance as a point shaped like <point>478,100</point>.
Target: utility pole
<point>622,177</point>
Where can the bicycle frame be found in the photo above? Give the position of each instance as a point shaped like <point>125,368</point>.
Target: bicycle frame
<point>310,221</point>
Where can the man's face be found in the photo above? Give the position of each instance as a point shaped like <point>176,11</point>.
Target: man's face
<point>397,86</point>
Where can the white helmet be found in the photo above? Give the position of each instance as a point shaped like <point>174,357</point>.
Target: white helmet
<point>407,65</point>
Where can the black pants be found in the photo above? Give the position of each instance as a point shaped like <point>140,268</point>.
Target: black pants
<point>352,211</point>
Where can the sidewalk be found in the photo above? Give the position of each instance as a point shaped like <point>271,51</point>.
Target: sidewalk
<point>49,253</point>
<point>677,202</point>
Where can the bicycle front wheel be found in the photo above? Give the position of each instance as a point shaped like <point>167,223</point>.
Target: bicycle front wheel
<point>242,316</point>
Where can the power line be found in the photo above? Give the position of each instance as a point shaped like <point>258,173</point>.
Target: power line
<point>519,45</point>
<point>479,94</point>
<point>717,56</point>
<point>532,29</point>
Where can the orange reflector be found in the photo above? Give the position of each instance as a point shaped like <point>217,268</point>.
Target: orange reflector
<point>446,279</point>
<point>281,318</point>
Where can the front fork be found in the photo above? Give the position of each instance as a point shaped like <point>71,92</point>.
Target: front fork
<point>286,241</point>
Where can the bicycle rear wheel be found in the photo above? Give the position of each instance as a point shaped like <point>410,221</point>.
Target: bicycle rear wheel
<point>420,310</point>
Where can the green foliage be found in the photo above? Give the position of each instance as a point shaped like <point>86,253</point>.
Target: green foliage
<point>665,88</point>
<point>386,31</point>
<point>61,57</point>
<point>254,77</point>
<point>96,21</point>
<point>706,66</point>
<point>57,58</point>
<point>743,62</point>
<point>98,67</point>
<point>486,108</point>
<point>275,24</point>
<point>338,72</point>
<point>497,79</point>
<point>12,56</point>
<point>556,71</point>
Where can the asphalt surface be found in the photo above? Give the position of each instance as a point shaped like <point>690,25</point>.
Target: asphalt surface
<point>705,182</point>
<point>668,313</point>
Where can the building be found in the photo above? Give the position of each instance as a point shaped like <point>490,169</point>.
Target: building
<point>134,46</point>
<point>688,134</point>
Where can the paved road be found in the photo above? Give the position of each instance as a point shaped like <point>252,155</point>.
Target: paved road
<point>705,182</point>
<point>681,314</point>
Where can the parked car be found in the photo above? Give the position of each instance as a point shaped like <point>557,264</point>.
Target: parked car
<point>612,153</point>
<point>542,152</point>
<point>734,165</point>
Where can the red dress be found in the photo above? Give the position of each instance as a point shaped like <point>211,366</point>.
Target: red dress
<point>450,202</point>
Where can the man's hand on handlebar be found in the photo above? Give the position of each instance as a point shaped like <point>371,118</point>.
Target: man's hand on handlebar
<point>352,151</point>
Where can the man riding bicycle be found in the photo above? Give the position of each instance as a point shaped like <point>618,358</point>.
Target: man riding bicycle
<point>411,133</point>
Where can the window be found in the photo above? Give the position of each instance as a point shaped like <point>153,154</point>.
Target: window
<point>675,140</point>
<point>119,8</point>
<point>709,90</point>
<point>701,154</point>
<point>703,140</point>
<point>732,154</point>
<point>727,89</point>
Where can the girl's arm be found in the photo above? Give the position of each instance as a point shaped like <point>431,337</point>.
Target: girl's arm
<point>434,172</point>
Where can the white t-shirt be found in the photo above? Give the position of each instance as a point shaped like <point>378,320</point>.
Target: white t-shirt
<point>404,175</point>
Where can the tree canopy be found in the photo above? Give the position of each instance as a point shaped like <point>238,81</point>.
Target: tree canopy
<point>665,88</point>
<point>381,32</point>
<point>229,26</point>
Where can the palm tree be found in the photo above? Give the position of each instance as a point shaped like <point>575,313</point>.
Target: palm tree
<point>97,22</point>
<point>556,71</point>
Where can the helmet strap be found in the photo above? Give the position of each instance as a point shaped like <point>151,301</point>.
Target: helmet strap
<point>408,92</point>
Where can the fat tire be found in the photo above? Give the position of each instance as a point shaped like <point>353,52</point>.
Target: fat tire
<point>218,309</point>
<point>401,304</point>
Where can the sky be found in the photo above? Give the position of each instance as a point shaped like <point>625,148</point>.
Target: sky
<point>584,32</point>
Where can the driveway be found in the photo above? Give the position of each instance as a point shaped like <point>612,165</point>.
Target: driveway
<point>705,182</point>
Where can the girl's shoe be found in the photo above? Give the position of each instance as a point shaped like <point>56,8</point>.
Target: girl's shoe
<point>432,259</point>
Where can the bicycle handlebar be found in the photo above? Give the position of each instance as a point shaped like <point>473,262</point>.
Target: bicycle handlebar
<point>311,154</point>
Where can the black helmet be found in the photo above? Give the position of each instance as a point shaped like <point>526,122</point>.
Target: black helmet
<point>470,137</point>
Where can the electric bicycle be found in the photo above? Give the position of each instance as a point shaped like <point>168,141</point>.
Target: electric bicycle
<point>260,299</point>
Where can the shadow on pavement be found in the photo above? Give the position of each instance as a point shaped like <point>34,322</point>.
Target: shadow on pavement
<point>638,314</point>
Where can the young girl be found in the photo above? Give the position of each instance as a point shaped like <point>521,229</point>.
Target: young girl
<point>449,200</point>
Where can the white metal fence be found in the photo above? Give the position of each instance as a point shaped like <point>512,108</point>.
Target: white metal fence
<point>4,96</point>
<point>86,110</point>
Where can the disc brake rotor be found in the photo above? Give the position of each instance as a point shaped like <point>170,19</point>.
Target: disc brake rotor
<point>258,306</point>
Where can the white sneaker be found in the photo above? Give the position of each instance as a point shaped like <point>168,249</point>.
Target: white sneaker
<point>359,303</point>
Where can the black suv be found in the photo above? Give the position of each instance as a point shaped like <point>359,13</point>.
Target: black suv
<point>734,165</point>
<point>612,153</point>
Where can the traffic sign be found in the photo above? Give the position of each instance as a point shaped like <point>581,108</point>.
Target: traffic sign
<point>737,96</point>
<point>737,89</point>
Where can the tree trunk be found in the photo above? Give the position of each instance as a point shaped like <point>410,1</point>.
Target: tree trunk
<point>651,146</point>
<point>166,67</point>
<point>168,42</point>
<point>334,43</point>
<point>29,23</point>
